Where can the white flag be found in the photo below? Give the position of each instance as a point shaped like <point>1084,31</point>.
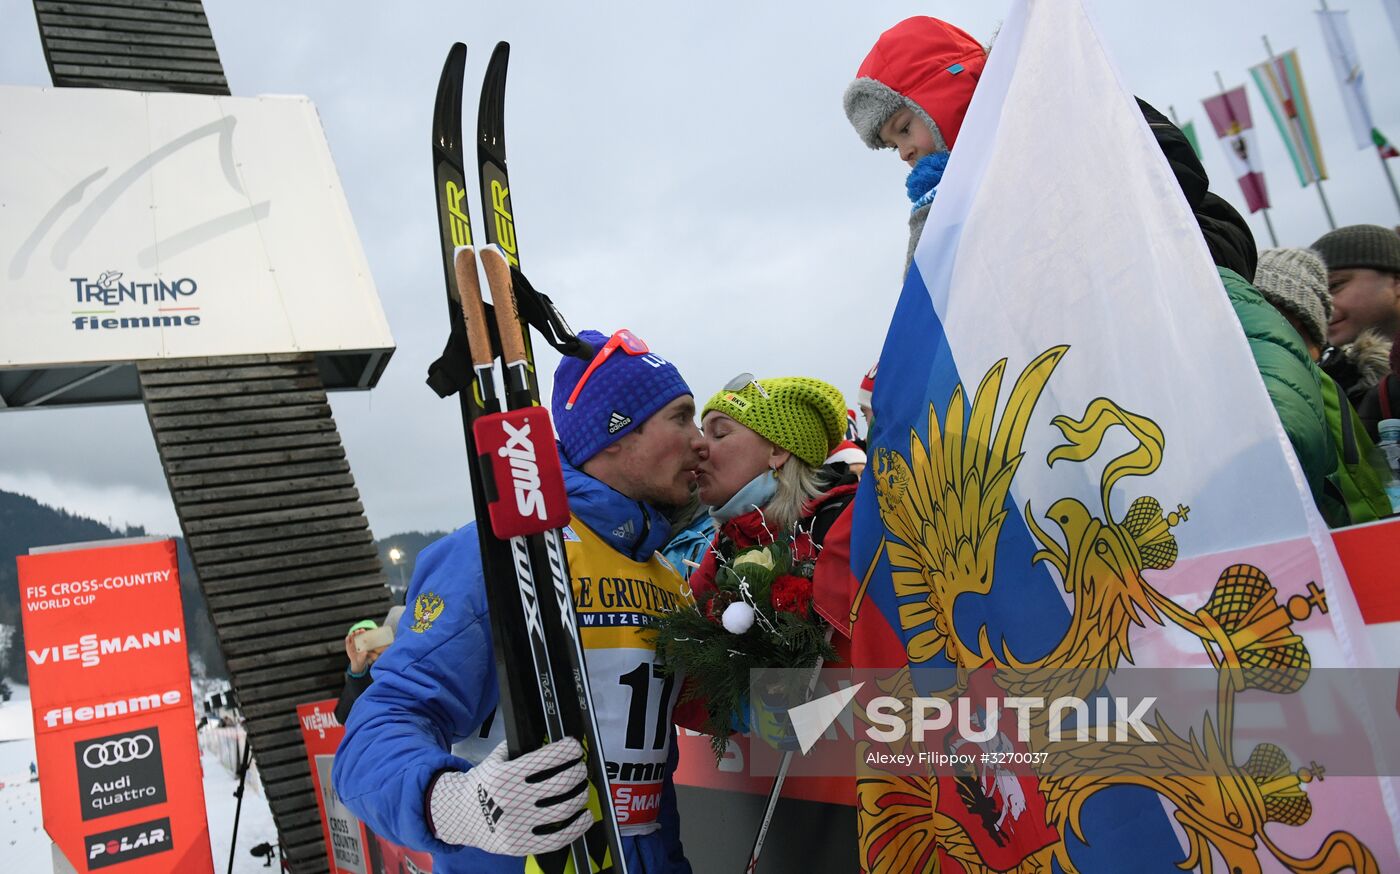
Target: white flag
<point>1392,8</point>
<point>1347,65</point>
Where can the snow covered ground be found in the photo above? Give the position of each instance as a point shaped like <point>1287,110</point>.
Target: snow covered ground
<point>24,846</point>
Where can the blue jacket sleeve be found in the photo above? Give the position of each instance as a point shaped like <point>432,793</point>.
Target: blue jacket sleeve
<point>433,686</point>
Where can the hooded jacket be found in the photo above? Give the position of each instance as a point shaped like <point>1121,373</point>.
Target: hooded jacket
<point>1360,365</point>
<point>432,704</point>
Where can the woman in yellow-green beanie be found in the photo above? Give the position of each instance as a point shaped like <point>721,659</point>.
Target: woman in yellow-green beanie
<point>761,470</point>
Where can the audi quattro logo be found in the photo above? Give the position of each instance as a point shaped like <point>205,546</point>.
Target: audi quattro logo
<point>120,772</point>
<point>118,752</point>
<point>524,470</point>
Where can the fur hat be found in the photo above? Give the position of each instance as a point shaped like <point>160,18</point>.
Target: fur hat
<point>924,64</point>
<point>622,392</point>
<point>1295,281</point>
<point>1368,246</point>
<point>805,416</point>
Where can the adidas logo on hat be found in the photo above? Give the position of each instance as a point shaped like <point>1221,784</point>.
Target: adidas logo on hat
<point>617,422</point>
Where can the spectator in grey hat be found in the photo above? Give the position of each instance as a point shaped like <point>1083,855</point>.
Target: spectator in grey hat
<point>1363,274</point>
<point>1295,282</point>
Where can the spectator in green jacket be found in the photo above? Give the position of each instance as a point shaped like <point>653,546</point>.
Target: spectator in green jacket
<point>1295,282</point>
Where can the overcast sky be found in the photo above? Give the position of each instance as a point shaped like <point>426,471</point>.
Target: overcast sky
<point>685,171</point>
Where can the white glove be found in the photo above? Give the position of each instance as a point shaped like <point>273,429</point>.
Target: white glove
<point>521,807</point>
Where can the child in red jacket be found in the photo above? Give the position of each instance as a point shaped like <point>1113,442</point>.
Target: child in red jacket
<point>911,94</point>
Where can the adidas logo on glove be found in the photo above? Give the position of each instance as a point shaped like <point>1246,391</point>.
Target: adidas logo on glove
<point>489,809</point>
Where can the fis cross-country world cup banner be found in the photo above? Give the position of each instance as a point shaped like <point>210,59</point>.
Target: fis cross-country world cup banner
<point>114,724</point>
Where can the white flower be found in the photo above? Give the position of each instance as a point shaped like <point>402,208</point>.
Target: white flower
<point>760,557</point>
<point>737,618</point>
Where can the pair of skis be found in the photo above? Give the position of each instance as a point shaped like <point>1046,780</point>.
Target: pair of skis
<point>516,478</point>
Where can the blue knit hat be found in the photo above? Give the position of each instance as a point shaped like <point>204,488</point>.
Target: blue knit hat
<point>622,393</point>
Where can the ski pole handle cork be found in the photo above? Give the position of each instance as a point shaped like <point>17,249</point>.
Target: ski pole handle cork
<point>473,310</point>
<point>497,268</point>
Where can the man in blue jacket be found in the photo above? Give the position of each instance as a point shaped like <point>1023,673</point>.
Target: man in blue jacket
<point>423,761</point>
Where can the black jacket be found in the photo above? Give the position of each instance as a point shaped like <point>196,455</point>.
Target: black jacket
<point>354,688</point>
<point>1227,234</point>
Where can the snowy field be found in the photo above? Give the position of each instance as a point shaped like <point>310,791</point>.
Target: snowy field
<point>24,846</point>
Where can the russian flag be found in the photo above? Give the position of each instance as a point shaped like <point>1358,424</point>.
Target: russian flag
<point>1074,462</point>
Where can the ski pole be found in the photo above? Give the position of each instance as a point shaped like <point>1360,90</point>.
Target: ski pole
<point>484,364</point>
<point>781,776</point>
<point>517,382</point>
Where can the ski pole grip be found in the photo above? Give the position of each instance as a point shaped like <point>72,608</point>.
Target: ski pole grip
<point>503,299</point>
<point>473,310</point>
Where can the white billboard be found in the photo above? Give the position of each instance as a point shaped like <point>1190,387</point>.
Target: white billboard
<point>141,225</point>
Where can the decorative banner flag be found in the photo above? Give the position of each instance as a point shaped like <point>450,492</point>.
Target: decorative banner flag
<point>1383,145</point>
<point>1075,465</point>
<point>1229,115</point>
<point>1281,82</point>
<point>1189,131</point>
<point>1347,65</point>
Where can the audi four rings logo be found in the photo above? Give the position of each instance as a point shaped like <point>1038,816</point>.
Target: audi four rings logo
<point>116,752</point>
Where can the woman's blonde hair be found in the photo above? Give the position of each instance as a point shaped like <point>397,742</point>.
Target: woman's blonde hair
<point>798,483</point>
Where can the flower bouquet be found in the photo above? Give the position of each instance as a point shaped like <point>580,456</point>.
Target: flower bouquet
<point>759,616</point>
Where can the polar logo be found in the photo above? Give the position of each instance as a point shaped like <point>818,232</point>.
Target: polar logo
<point>118,752</point>
<point>524,470</point>
<point>132,842</point>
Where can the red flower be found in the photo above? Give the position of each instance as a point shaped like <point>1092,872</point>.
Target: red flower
<point>792,594</point>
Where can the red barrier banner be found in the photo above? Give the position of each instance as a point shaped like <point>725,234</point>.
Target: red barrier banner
<point>697,768</point>
<point>352,848</point>
<point>114,726</point>
<point>1371,555</point>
